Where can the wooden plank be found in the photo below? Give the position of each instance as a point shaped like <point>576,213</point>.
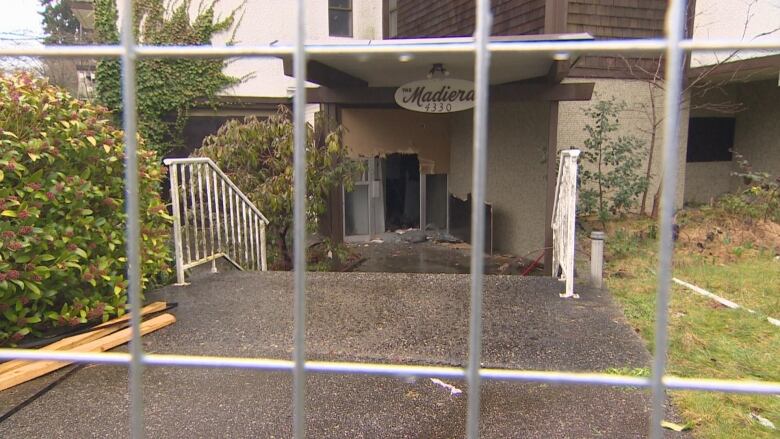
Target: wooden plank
<point>65,343</point>
<point>39,368</point>
<point>148,309</point>
<point>558,70</point>
<point>110,326</point>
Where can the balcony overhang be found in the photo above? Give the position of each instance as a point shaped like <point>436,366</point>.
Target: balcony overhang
<point>759,68</point>
<point>398,65</point>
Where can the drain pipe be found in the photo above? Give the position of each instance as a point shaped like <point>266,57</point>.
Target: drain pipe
<point>597,258</point>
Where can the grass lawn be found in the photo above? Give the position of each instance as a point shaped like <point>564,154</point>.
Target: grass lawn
<point>735,260</point>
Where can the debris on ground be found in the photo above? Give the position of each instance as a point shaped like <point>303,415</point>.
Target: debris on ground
<point>103,337</point>
<point>763,421</point>
<point>454,391</point>
<point>415,236</point>
<point>675,427</point>
<point>443,236</point>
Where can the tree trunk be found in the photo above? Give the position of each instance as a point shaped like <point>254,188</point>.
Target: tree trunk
<point>284,251</point>
<point>653,133</point>
<point>656,201</point>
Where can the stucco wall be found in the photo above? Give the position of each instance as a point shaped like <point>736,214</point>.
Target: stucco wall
<point>757,20</point>
<point>371,132</point>
<point>706,180</point>
<point>757,135</point>
<point>266,21</point>
<point>517,141</point>
<point>635,120</point>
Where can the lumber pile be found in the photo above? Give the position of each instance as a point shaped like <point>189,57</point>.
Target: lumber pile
<point>103,337</point>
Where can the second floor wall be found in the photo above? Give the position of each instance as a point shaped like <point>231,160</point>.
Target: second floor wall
<point>748,20</point>
<point>267,21</point>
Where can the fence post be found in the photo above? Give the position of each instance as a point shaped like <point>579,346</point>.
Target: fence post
<point>597,258</point>
<point>177,224</point>
<point>263,265</point>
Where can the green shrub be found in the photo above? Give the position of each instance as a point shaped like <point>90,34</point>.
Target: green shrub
<point>257,156</point>
<point>62,221</point>
<point>610,179</point>
<point>760,196</point>
<point>623,243</point>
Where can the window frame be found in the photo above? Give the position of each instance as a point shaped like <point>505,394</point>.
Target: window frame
<point>350,11</point>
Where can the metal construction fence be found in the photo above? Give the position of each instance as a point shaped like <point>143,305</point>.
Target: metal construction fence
<point>672,47</point>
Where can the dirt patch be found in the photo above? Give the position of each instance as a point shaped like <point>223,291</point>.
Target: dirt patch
<point>725,237</point>
<point>720,236</point>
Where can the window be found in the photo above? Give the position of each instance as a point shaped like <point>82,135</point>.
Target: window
<point>340,18</point>
<point>710,139</point>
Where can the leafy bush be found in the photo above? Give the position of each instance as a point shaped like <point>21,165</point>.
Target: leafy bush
<point>257,156</point>
<point>610,179</point>
<point>760,199</point>
<point>623,243</point>
<point>62,245</point>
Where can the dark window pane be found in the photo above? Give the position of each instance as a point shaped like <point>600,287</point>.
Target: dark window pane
<point>710,139</point>
<point>340,23</point>
<point>341,4</point>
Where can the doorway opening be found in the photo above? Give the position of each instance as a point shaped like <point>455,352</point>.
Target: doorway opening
<point>402,191</point>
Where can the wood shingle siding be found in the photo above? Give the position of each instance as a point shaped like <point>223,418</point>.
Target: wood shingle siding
<point>604,19</point>
<point>447,18</point>
<point>610,19</point>
<point>613,19</point>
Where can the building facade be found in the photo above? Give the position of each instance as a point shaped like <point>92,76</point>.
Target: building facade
<point>418,164</point>
<point>735,99</point>
<point>632,80</point>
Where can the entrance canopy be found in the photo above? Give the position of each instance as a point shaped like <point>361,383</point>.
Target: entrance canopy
<point>394,67</point>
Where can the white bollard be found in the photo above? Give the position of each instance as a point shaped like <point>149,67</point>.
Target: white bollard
<point>597,258</point>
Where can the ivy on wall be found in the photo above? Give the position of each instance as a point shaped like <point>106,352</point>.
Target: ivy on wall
<point>167,89</point>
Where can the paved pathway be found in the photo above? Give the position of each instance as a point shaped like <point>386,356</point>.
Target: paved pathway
<point>409,318</point>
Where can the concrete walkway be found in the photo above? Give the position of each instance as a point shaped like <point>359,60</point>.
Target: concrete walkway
<point>372,317</point>
<point>430,257</point>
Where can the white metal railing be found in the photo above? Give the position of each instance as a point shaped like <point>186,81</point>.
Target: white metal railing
<point>213,219</point>
<point>563,219</point>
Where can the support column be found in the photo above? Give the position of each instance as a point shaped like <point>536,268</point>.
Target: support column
<point>333,221</point>
<point>552,152</point>
<point>555,16</point>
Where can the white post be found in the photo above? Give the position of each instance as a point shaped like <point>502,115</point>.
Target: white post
<point>194,211</point>
<point>202,208</point>
<point>250,240</point>
<point>263,265</point>
<point>209,173</point>
<point>245,231</point>
<point>257,241</point>
<point>234,253</point>
<point>177,225</point>
<point>597,258</point>
<point>185,212</point>
<point>572,223</point>
<point>226,224</point>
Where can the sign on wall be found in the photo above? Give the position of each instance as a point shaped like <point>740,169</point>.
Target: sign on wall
<point>436,95</point>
